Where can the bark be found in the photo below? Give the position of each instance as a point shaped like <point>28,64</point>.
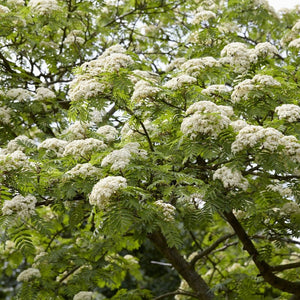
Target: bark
<point>266,271</point>
<point>198,285</point>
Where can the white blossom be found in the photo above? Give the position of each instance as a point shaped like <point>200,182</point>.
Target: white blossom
<point>55,145</point>
<point>194,67</point>
<point>167,209</point>
<point>231,178</point>
<point>289,112</point>
<point>268,138</point>
<point>96,116</point>
<point>13,161</point>
<point>43,7</point>
<point>117,48</point>
<point>207,118</point>
<point>4,9</point>
<point>296,27</point>
<point>24,207</point>
<point>83,296</point>
<point>176,63</point>
<point>138,75</point>
<point>15,2</point>
<point>83,148</point>
<point>44,94</point>
<point>284,191</point>
<point>5,113</point>
<point>19,94</point>
<point>77,131</point>
<point>216,89</point>
<point>203,15</point>
<point>14,144</point>
<point>119,159</point>
<point>238,125</point>
<point>180,81</point>
<point>143,90</point>
<point>265,49</point>
<point>29,274</point>
<point>109,133</point>
<point>295,44</point>
<point>83,171</point>
<point>265,80</point>
<point>75,37</point>
<point>290,208</point>
<point>105,189</point>
<point>291,147</point>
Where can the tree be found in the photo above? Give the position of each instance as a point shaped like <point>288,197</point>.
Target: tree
<point>149,150</point>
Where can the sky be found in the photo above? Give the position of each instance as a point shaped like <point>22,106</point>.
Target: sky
<point>278,4</point>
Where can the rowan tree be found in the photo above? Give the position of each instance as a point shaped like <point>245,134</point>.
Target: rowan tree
<point>149,150</point>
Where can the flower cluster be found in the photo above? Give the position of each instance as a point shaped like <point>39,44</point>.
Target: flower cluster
<point>28,275</point>
<point>180,81</point>
<point>4,9</point>
<point>194,67</point>
<point>231,178</point>
<point>238,125</point>
<point>15,144</point>
<point>203,15</point>
<point>44,94</point>
<point>167,209</point>
<point>19,94</point>
<point>108,132</point>
<point>295,44</point>
<point>105,189</point>
<point>289,112</point>
<point>13,161</point>
<point>24,207</point>
<point>75,37</point>
<point>83,296</point>
<point>83,171</point>
<point>258,82</point>
<point>216,89</point>
<point>144,90</point>
<point>77,131</point>
<point>54,145</point>
<point>206,118</point>
<point>291,147</point>
<point>83,148</point>
<point>240,57</point>
<point>15,2</point>
<point>5,114</point>
<point>138,75</point>
<point>119,159</point>
<point>43,7</point>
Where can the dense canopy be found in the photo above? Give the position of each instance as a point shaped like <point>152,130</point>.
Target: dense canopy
<point>149,150</point>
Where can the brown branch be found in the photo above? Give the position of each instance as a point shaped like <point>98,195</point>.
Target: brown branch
<point>266,271</point>
<point>210,248</point>
<point>194,280</point>
<point>179,292</point>
<point>285,267</point>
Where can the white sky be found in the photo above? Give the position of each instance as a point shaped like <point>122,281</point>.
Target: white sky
<point>278,4</point>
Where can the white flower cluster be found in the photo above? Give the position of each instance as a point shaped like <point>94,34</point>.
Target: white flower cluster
<point>240,57</point>
<point>290,208</point>
<point>87,86</point>
<point>75,37</point>
<point>44,94</point>
<point>281,189</point>
<point>194,67</point>
<point>28,275</point>
<point>144,90</point>
<point>83,296</point>
<point>206,118</point>
<point>268,138</point>
<point>238,125</point>
<point>54,145</point>
<point>203,15</point>
<point>231,178</point>
<point>105,189</point>
<point>119,159</point>
<point>4,9</point>
<point>15,2</point>
<point>24,207</point>
<point>13,161</point>
<point>83,171</point>
<point>5,114</point>
<point>19,94</point>
<point>180,81</point>
<point>216,89</point>
<point>43,7</point>
<point>108,132</point>
<point>167,209</point>
<point>77,131</point>
<point>176,63</point>
<point>289,112</point>
<point>258,82</point>
<point>96,116</point>
<point>295,44</point>
<point>83,148</point>
<point>14,144</point>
